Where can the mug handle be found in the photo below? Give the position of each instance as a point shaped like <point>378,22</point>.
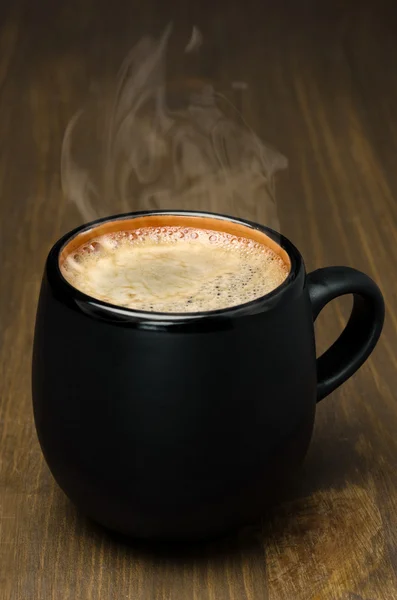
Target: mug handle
<point>362,330</point>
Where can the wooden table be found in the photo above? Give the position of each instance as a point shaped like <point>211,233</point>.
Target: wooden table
<point>321,86</point>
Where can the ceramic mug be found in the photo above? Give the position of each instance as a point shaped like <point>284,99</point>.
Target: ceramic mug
<point>185,426</point>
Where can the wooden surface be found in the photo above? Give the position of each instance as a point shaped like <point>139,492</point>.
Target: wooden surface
<point>322,87</point>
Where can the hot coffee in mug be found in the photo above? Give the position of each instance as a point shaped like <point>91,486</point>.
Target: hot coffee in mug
<point>175,378</point>
<point>175,268</point>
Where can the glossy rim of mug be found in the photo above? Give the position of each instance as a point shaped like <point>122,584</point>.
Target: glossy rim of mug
<point>124,314</point>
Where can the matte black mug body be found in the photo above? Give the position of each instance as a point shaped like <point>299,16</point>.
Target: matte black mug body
<point>186,426</point>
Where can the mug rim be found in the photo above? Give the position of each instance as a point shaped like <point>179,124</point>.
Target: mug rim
<point>115,312</point>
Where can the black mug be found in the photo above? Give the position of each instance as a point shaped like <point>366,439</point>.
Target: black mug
<point>185,426</point>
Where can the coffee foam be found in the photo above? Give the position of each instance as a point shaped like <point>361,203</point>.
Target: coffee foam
<point>174,269</point>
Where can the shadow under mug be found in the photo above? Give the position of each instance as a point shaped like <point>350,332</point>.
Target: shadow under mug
<point>185,426</point>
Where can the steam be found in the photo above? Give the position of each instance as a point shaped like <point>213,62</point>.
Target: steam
<point>154,156</point>
<point>195,41</point>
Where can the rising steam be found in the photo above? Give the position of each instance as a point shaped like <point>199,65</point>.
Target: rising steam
<point>156,157</point>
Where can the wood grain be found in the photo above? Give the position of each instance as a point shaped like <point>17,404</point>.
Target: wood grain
<point>321,87</point>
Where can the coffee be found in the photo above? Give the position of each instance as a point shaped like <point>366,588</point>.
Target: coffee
<point>174,269</point>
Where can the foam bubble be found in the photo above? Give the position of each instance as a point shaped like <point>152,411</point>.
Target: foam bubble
<point>174,269</point>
